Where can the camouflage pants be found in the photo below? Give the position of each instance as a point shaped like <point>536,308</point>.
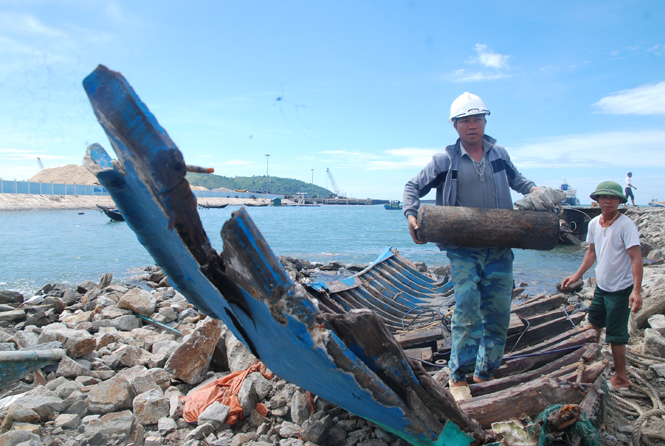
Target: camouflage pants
<point>483,282</point>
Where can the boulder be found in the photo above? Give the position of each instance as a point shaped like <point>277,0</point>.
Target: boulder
<point>110,396</point>
<point>77,342</point>
<point>150,406</point>
<point>654,343</point>
<point>114,428</point>
<point>13,438</point>
<point>126,323</point>
<point>10,297</point>
<point>657,322</point>
<point>68,368</point>
<point>42,401</point>
<point>11,316</point>
<point>139,301</point>
<point>67,421</point>
<point>190,361</point>
<point>299,408</point>
<point>143,383</point>
<point>17,412</point>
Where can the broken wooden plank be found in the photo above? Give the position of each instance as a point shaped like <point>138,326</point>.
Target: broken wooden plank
<point>530,398</point>
<point>539,306</point>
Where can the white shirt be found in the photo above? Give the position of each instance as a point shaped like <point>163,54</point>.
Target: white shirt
<point>628,183</point>
<point>613,266</point>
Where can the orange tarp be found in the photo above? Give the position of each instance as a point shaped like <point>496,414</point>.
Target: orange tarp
<point>225,390</point>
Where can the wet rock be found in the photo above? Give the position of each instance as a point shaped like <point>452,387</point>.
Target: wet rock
<point>331,266</point>
<point>215,414</point>
<point>150,406</point>
<point>110,396</point>
<point>190,361</point>
<point>139,301</point>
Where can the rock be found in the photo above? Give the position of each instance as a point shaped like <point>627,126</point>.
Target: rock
<point>654,343</point>
<point>247,397</point>
<point>316,432</point>
<point>190,361</point>
<point>126,323</point>
<point>114,428</point>
<point>75,319</point>
<point>239,357</point>
<point>110,396</point>
<point>336,436</point>
<point>71,297</point>
<point>289,430</point>
<point>25,339</point>
<point>150,406</point>
<point>67,421</point>
<point>15,315</point>
<point>572,288</point>
<point>261,385</point>
<point>17,412</point>
<point>189,312</point>
<point>42,401</point>
<point>652,304</point>
<point>14,438</point>
<point>299,408</point>
<point>139,301</point>
<point>77,342</point>
<point>10,297</point>
<point>166,425</point>
<point>105,281</point>
<point>176,406</point>
<point>215,414</point>
<point>143,383</point>
<point>658,369</point>
<point>125,355</point>
<point>657,322</point>
<point>66,389</point>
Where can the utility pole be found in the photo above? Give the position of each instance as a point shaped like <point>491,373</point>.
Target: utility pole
<point>267,157</point>
<point>312,183</point>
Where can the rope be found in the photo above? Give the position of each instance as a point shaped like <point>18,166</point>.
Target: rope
<point>528,325</point>
<point>642,422</point>
<point>568,316</point>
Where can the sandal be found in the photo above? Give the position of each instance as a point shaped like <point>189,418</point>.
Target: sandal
<point>460,393</point>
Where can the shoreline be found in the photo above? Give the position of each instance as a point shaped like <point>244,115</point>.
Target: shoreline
<point>30,202</point>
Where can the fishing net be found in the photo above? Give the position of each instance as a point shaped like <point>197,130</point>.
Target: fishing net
<point>582,428</point>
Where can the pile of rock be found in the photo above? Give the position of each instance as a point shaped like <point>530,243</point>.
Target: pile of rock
<point>124,379</point>
<point>651,224</point>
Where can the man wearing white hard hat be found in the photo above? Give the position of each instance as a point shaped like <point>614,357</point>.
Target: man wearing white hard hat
<point>473,172</point>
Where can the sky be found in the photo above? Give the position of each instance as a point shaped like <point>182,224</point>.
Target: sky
<point>576,89</point>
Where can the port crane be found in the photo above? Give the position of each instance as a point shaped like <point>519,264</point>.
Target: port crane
<point>339,193</point>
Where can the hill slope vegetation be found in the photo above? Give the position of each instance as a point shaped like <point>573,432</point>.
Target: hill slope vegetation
<point>276,185</point>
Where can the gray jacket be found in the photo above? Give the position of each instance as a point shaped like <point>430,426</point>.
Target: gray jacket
<point>441,173</point>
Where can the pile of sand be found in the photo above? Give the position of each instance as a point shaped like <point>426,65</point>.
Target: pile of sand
<point>73,174</point>
<point>69,174</point>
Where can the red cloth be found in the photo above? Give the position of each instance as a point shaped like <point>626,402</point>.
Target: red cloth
<point>225,390</point>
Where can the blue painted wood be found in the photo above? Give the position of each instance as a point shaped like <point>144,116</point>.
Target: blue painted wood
<point>245,286</point>
<point>15,365</point>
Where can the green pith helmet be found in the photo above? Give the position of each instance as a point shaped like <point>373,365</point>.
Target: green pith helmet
<point>609,188</point>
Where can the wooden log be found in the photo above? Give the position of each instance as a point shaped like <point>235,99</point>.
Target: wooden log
<point>419,338</point>
<point>539,319</point>
<point>491,228</point>
<point>530,398</point>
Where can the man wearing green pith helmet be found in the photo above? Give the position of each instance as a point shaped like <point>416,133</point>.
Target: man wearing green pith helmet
<point>615,243</point>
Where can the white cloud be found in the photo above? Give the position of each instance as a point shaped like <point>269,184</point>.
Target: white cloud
<point>646,99</point>
<point>27,24</point>
<point>596,150</point>
<point>489,58</point>
<point>492,62</point>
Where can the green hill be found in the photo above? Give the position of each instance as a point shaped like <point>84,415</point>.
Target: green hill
<point>276,185</point>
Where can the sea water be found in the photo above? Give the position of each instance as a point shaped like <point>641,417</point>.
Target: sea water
<point>69,246</point>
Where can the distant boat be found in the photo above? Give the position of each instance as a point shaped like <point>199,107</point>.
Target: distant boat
<point>393,205</point>
<point>571,195</point>
<point>212,206</point>
<point>657,204</point>
<point>112,213</point>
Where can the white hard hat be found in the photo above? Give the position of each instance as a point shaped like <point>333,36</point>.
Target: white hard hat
<point>467,104</point>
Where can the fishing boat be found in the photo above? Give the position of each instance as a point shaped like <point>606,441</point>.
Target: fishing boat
<point>112,213</point>
<point>656,204</point>
<point>212,206</point>
<point>393,205</point>
<point>350,341</point>
<point>571,195</point>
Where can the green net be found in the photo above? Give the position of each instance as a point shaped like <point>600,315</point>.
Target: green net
<point>582,428</point>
